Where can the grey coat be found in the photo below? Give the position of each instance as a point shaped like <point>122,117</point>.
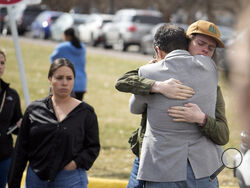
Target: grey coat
<point>167,145</point>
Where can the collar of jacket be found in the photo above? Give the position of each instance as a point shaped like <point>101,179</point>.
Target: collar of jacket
<point>3,85</point>
<point>81,106</point>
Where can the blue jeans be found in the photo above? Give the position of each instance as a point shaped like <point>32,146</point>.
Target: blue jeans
<point>133,182</point>
<point>64,179</point>
<point>191,182</point>
<point>4,168</point>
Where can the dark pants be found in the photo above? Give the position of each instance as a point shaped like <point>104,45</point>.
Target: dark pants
<point>4,168</point>
<point>191,182</point>
<point>64,179</point>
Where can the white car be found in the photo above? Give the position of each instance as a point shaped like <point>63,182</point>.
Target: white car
<point>129,26</point>
<point>64,22</point>
<point>91,31</point>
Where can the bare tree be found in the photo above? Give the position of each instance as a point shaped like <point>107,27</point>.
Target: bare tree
<point>168,7</point>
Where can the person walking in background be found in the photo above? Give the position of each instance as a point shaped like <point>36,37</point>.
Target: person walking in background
<point>10,115</point>
<point>214,128</point>
<point>59,136</point>
<point>75,51</point>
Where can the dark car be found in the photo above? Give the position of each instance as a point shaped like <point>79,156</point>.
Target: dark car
<point>24,17</point>
<point>40,27</point>
<point>3,13</point>
<point>29,15</point>
<point>17,12</point>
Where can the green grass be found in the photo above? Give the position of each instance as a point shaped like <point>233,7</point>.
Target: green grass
<point>115,121</point>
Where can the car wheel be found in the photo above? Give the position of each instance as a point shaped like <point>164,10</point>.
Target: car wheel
<point>41,34</point>
<point>121,45</point>
<point>106,46</point>
<point>105,43</point>
<point>93,42</point>
<point>143,50</point>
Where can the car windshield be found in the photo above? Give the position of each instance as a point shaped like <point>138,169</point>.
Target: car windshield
<point>147,19</point>
<point>106,21</point>
<point>53,18</point>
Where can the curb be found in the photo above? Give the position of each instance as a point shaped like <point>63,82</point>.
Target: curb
<point>106,183</point>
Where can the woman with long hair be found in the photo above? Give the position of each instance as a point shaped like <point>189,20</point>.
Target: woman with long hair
<point>74,50</point>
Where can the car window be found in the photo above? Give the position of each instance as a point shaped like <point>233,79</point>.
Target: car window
<point>106,21</point>
<point>3,11</point>
<point>81,19</point>
<point>78,21</point>
<point>147,19</point>
<point>53,18</point>
<point>42,17</point>
<point>65,19</point>
<point>117,18</point>
<point>91,19</point>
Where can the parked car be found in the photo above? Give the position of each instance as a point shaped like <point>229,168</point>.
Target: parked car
<point>40,27</point>
<point>147,40</point>
<point>227,35</point>
<point>90,32</point>
<point>66,21</point>
<point>129,26</point>
<point>3,13</point>
<point>17,11</point>
<point>29,15</point>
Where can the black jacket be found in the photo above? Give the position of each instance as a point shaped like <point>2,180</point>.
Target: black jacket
<point>11,113</point>
<point>49,145</point>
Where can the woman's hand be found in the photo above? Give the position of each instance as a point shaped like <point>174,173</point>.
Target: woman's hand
<point>70,166</point>
<point>190,113</point>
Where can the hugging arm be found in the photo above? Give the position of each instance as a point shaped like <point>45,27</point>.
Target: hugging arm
<point>214,128</point>
<point>131,82</point>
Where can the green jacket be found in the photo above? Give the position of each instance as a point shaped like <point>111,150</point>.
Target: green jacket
<point>215,129</point>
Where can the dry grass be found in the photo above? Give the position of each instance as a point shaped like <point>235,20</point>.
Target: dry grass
<point>115,121</point>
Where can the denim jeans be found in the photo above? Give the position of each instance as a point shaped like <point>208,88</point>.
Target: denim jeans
<point>133,182</point>
<point>191,182</point>
<point>4,168</point>
<point>64,179</point>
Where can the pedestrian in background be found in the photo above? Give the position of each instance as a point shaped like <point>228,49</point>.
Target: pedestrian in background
<point>73,50</point>
<point>59,137</point>
<point>10,115</point>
